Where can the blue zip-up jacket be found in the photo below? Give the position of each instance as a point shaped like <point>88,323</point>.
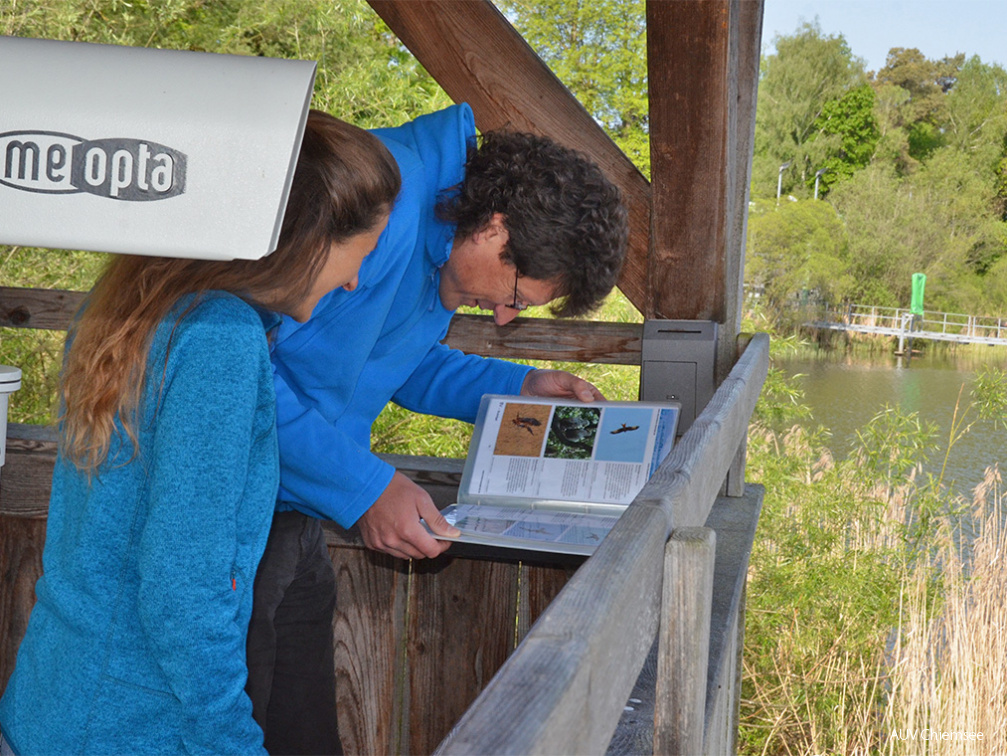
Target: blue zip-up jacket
<point>136,643</point>
<point>381,342</point>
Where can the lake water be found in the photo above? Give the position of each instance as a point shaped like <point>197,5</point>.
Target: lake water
<point>845,392</point>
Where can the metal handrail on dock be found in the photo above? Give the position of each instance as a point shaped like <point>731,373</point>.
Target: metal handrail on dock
<point>906,324</point>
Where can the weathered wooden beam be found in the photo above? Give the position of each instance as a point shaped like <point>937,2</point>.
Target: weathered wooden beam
<point>563,689</point>
<point>51,309</point>
<point>703,63</point>
<point>26,477</point>
<point>523,338</point>
<point>544,339</point>
<point>687,54</point>
<point>687,597</point>
<point>735,520</point>
<point>21,541</point>
<point>745,54</point>
<point>475,54</point>
<point>369,630</point>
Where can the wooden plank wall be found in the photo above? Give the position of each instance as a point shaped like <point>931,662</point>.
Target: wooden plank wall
<point>415,642</point>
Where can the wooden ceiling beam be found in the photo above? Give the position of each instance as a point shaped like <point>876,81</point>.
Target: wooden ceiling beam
<point>475,54</point>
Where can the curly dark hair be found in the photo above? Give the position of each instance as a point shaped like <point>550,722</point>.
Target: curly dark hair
<point>565,219</point>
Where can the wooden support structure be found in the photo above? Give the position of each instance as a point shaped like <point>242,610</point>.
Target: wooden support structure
<point>477,652</point>
<point>703,65</point>
<point>684,641</point>
<point>527,338</point>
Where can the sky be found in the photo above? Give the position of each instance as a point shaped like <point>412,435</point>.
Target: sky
<point>872,27</point>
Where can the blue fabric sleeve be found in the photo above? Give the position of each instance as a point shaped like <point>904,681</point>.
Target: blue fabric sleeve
<point>439,140</point>
<point>188,604</point>
<point>450,383</point>
<point>324,471</point>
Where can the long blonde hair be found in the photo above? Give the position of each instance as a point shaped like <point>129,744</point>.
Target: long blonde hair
<point>345,181</point>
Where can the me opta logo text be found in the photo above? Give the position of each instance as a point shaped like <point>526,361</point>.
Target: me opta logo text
<point>48,162</point>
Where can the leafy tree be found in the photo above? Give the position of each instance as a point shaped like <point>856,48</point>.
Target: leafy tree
<point>599,51</point>
<point>848,129</point>
<point>995,285</point>
<point>922,112</point>
<point>796,250</point>
<point>976,119</point>
<point>893,146</point>
<point>808,70</point>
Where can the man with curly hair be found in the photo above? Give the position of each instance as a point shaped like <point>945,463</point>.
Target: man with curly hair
<point>502,223</point>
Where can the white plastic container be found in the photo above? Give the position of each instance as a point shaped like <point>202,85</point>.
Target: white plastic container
<point>10,381</point>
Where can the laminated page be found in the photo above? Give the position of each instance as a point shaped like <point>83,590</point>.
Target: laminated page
<point>536,529</point>
<point>601,452</point>
<point>555,475</point>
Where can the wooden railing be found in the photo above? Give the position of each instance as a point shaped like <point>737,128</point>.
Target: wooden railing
<point>564,688</point>
<point>527,338</point>
<point>418,642</point>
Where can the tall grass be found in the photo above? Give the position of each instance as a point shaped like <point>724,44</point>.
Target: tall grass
<point>876,611</point>
<point>948,666</point>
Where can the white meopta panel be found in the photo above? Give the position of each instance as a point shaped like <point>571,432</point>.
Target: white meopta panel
<point>156,152</point>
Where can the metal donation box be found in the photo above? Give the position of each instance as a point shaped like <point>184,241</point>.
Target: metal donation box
<point>677,363</point>
<point>156,152</point>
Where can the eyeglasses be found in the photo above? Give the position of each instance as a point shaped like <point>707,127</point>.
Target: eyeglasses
<point>515,305</point>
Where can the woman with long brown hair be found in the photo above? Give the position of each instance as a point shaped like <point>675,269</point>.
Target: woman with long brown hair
<point>166,478</point>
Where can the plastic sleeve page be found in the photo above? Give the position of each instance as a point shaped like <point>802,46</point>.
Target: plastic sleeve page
<point>572,532</point>
<point>544,450</point>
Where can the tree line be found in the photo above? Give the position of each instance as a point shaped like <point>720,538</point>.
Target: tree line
<point>910,163</point>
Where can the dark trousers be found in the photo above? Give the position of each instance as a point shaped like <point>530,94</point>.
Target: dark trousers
<point>291,677</point>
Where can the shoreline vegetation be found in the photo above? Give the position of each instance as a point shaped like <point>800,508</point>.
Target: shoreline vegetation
<point>867,615</point>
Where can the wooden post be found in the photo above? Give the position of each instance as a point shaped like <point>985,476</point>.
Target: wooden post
<point>703,67</point>
<point>680,700</point>
<point>687,49</point>
<point>745,50</point>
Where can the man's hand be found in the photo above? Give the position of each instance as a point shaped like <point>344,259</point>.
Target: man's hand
<point>560,384</point>
<point>392,524</point>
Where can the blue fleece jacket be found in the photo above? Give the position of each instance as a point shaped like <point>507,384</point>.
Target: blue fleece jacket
<point>381,342</point>
<point>136,643</point>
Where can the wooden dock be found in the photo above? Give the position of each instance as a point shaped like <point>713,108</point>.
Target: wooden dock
<point>906,325</point>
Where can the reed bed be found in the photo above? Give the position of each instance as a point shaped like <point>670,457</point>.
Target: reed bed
<point>876,623</point>
<point>948,667</point>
